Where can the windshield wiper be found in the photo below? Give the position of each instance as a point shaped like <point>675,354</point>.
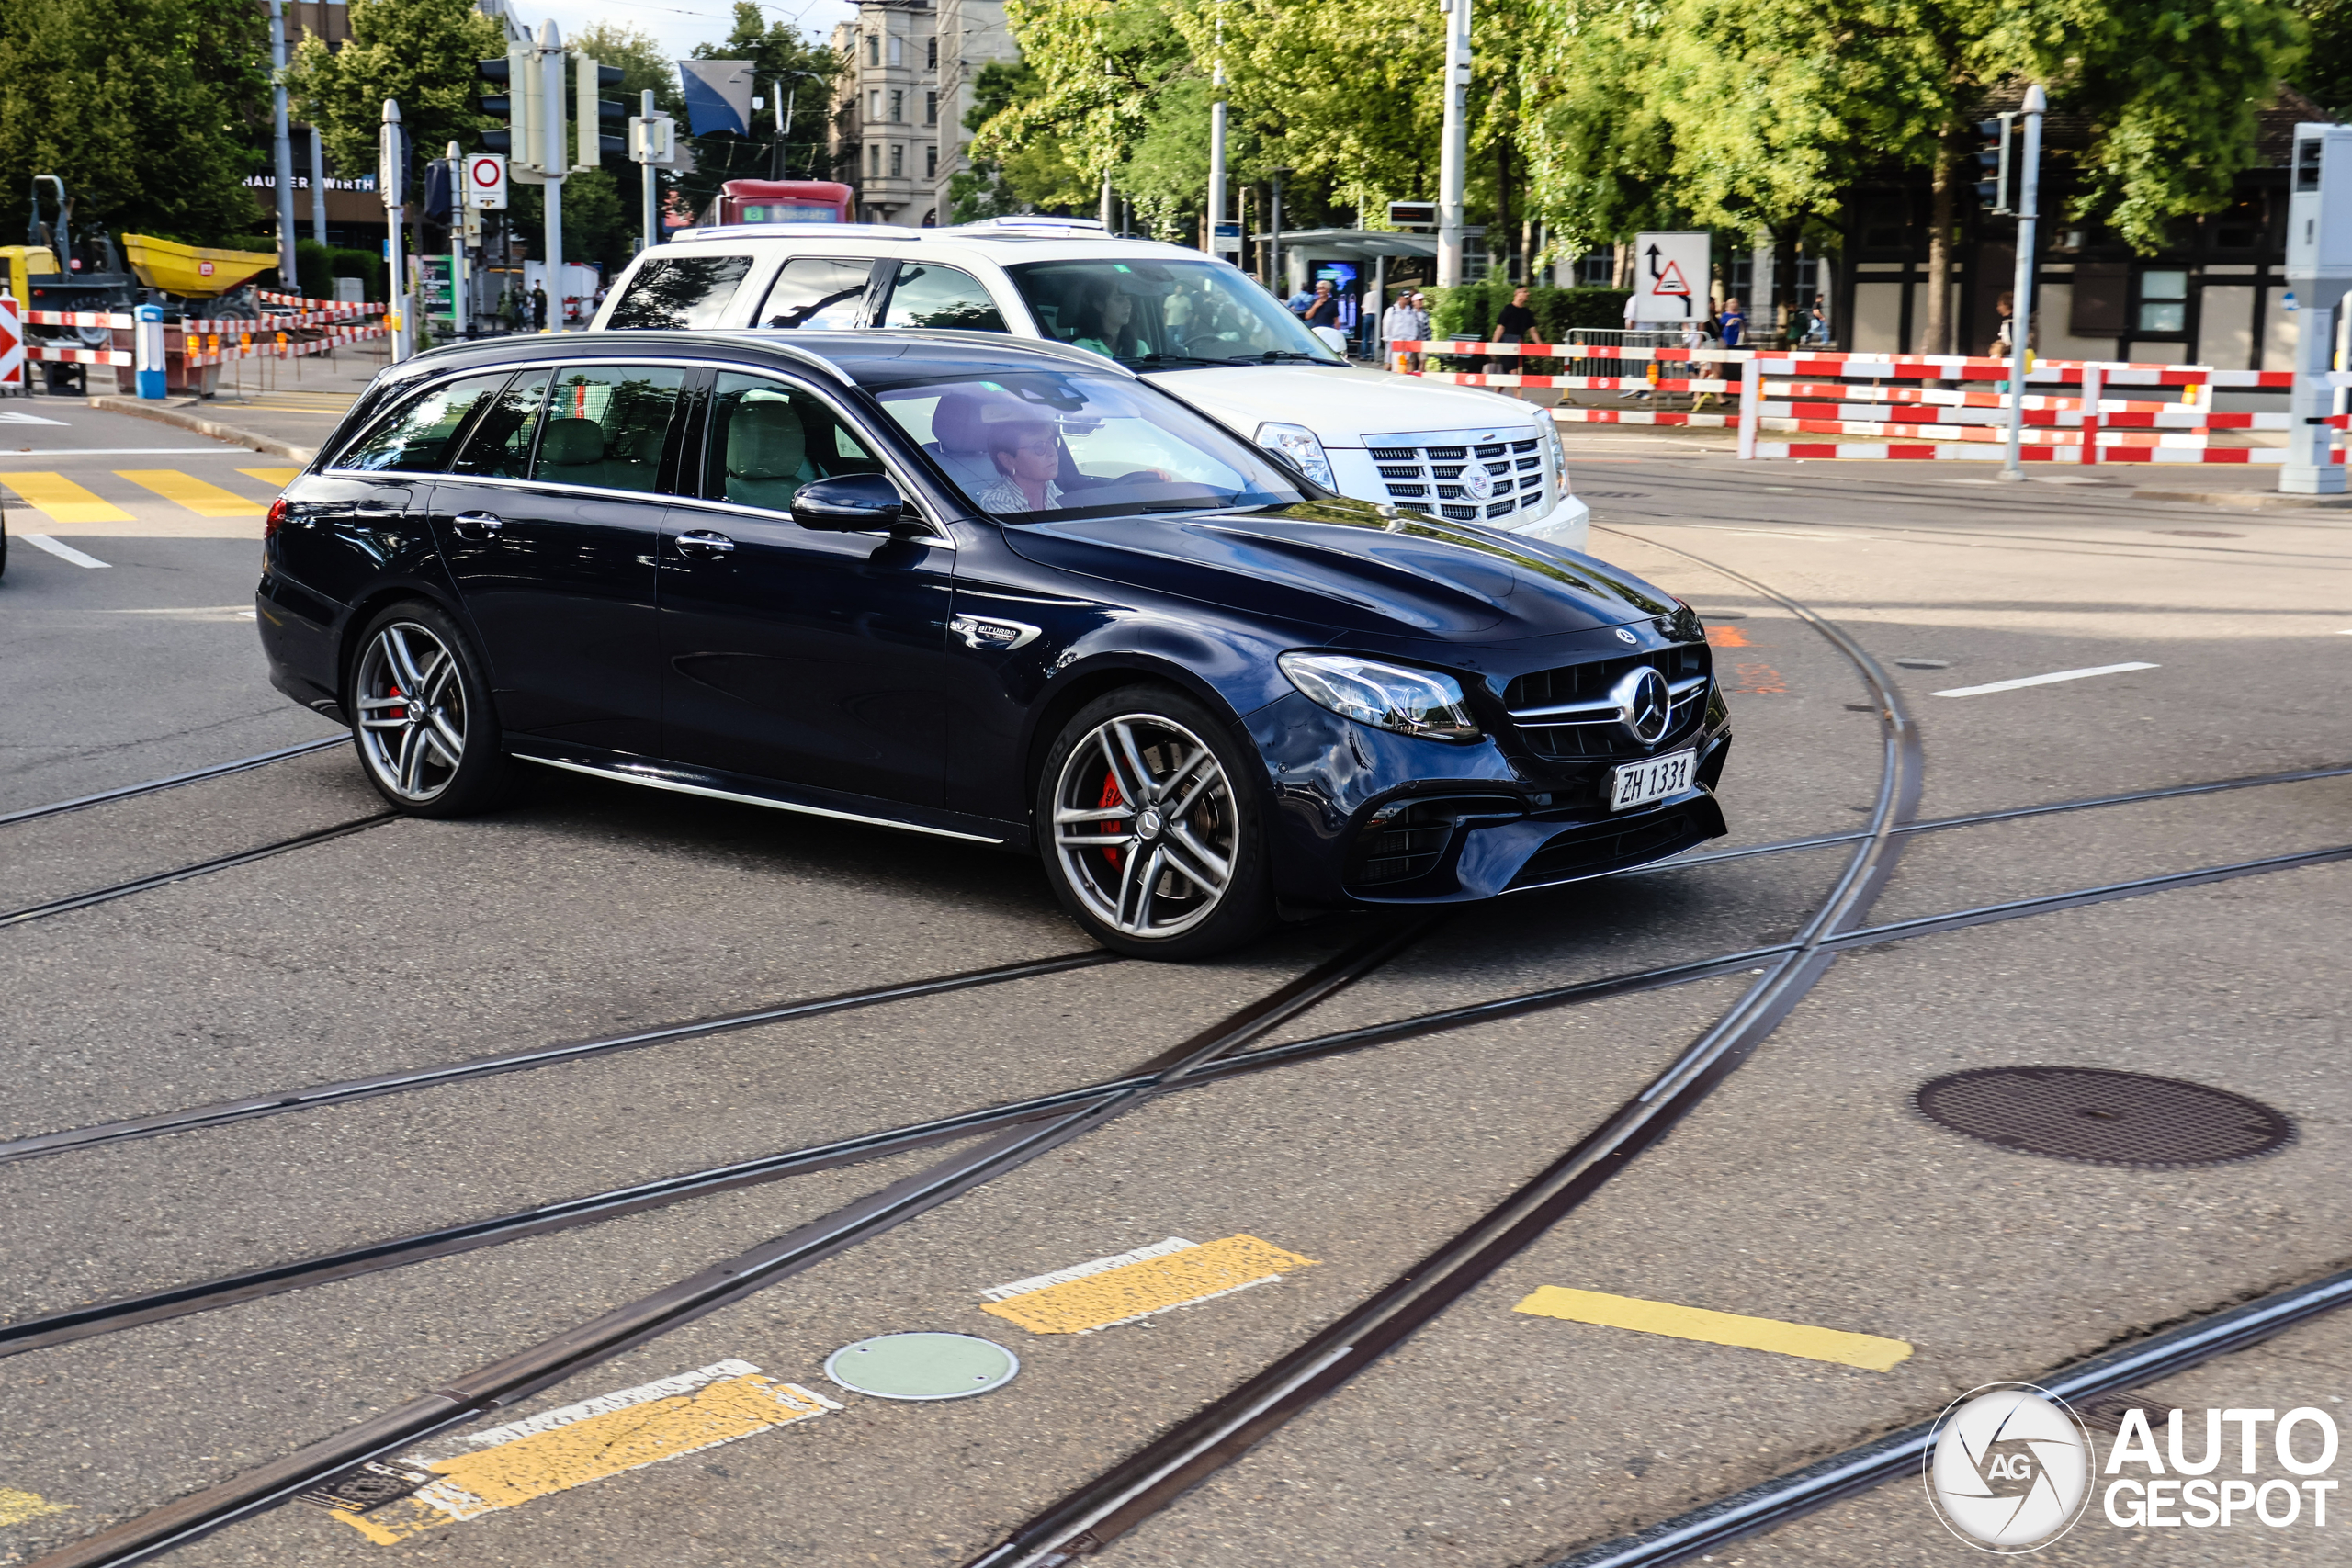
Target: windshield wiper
<point>1166,361</point>
<point>1272,355</point>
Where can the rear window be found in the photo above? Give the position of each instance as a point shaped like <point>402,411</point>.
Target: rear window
<point>416,438</point>
<point>690,293</point>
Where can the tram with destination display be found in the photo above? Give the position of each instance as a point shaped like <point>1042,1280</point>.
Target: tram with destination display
<point>779,201</point>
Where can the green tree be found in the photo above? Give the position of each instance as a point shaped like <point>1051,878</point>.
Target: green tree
<point>422,54</point>
<point>2326,71</point>
<point>1758,114</point>
<point>148,109</point>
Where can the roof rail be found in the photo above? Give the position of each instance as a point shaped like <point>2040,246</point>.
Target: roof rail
<point>801,231</point>
<point>1032,223</point>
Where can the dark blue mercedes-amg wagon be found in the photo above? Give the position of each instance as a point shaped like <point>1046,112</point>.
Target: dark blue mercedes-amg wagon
<point>1001,592</point>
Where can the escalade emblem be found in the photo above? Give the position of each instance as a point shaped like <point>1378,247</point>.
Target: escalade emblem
<point>1644,705</point>
<point>1476,483</point>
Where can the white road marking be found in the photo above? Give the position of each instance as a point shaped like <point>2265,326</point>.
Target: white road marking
<point>48,452</point>
<point>13,416</point>
<point>1080,1270</point>
<point>2040,680</point>
<point>62,552</point>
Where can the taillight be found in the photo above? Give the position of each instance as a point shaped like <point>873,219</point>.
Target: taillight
<point>276,518</point>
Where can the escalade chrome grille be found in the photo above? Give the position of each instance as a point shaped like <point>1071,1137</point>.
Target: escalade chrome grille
<point>1428,479</point>
<point>1565,714</point>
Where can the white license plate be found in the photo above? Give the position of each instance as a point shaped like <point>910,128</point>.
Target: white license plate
<point>1638,784</point>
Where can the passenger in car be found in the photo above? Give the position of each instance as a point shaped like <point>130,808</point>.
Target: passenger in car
<point>1102,322</point>
<point>1027,454</point>
<point>960,443</point>
<point>767,456</point>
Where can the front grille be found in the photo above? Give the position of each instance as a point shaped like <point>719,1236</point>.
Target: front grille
<point>1515,468</point>
<point>1605,846</point>
<point>1589,727</point>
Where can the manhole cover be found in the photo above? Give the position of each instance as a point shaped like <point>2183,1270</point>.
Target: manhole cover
<point>2201,534</point>
<point>922,1366</point>
<point>2104,1118</point>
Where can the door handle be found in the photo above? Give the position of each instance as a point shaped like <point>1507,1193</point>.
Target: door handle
<point>478,525</point>
<point>705,543</point>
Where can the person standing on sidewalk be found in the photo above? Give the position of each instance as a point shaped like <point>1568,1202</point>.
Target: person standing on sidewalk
<point>1397,325</point>
<point>538,307</point>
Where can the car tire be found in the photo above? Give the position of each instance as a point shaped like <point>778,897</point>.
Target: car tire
<point>1183,873</point>
<point>439,756</point>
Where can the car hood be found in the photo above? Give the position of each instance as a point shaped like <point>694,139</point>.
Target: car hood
<point>1342,404</point>
<point>1349,565</point>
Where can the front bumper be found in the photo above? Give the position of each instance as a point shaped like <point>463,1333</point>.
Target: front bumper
<point>1568,525</point>
<point>1363,818</point>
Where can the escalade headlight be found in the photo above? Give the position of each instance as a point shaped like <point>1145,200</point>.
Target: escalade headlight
<point>1555,451</point>
<point>1387,696</point>
<point>1297,446</point>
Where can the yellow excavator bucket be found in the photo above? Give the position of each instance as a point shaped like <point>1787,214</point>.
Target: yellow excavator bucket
<point>193,271</point>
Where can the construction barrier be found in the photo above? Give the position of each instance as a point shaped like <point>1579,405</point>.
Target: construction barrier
<point>197,343</point>
<point>1847,394</point>
<point>12,345</point>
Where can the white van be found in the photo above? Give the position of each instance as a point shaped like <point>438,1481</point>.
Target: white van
<point>1198,326</point>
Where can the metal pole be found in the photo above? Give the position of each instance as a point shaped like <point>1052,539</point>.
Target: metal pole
<point>1216,137</point>
<point>1454,156</point>
<point>1275,279</point>
<point>784,124</point>
<point>2021,292</point>
<point>558,159</point>
<point>282,149</point>
<point>649,178</point>
<point>1107,215</point>
<point>318,189</point>
<point>456,241</point>
<point>391,167</point>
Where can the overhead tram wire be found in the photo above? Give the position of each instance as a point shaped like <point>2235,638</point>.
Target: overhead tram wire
<point>317,1096</point>
<point>106,1318</point>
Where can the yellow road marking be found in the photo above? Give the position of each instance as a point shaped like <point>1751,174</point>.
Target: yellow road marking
<point>1151,1280</point>
<point>1866,1350</point>
<point>586,1442</point>
<point>280,477</point>
<point>17,1507</point>
<point>65,500</point>
<point>204,500</point>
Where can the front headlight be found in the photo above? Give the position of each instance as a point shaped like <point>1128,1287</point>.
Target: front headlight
<point>1295,445</point>
<point>1387,696</point>
<point>1556,450</point>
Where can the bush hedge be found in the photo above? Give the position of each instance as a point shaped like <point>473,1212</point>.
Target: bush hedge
<point>319,266</point>
<point>1470,309</point>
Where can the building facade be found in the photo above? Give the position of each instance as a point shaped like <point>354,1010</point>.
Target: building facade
<point>908,67</point>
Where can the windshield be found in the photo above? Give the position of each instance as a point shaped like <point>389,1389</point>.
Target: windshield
<point>1035,444</point>
<point>1160,315</point>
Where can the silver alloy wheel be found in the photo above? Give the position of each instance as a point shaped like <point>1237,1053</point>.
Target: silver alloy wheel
<point>412,711</point>
<point>1145,826</point>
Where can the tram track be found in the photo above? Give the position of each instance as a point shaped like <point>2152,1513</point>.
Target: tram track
<point>173,781</point>
<point>50,1329</point>
<point>1025,1130</point>
<point>202,868</point>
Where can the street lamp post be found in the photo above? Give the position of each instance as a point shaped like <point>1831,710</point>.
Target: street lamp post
<point>281,149</point>
<point>1216,137</point>
<point>1275,279</point>
<point>392,165</point>
<point>557,158</point>
<point>1453,151</point>
<point>2021,292</point>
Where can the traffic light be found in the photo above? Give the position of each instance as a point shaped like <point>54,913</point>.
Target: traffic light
<point>593,111</point>
<point>522,103</point>
<point>2000,163</point>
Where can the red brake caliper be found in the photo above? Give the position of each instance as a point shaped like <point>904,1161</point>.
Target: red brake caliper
<point>1110,798</point>
<point>400,712</point>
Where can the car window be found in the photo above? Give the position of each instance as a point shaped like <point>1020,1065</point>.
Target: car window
<point>687,292</point>
<point>416,437</point>
<point>929,295</point>
<point>1165,313</point>
<point>1033,444</point>
<point>820,293</point>
<point>767,439</point>
<point>500,446</point>
<point>606,424</point>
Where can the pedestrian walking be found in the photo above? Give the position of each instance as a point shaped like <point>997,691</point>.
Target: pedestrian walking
<point>1734,323</point>
<point>1513,324</point>
<point>1322,317</point>
<point>1817,323</point>
<point>1398,325</point>
<point>538,307</point>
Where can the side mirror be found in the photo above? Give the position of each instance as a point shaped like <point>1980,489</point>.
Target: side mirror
<point>853,504</point>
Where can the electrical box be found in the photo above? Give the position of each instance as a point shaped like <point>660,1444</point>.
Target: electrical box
<point>2319,210</point>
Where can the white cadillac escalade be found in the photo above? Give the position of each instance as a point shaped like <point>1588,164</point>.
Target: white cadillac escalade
<point>1199,327</point>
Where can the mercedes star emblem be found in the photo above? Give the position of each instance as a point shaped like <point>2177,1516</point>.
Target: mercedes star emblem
<point>1643,704</point>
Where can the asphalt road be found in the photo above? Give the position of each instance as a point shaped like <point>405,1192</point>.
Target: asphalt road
<point>1805,1189</point>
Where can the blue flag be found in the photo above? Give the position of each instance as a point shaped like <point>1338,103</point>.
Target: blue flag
<point>718,94</point>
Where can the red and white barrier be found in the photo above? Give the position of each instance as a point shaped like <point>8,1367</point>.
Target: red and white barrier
<point>1935,422</point>
<point>12,343</point>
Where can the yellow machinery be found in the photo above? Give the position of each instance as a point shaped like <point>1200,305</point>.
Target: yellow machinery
<point>192,272</point>
<point>23,262</point>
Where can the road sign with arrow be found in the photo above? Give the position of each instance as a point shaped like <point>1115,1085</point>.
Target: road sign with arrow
<point>1670,278</point>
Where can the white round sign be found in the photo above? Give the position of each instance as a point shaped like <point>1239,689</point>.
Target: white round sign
<point>485,180</point>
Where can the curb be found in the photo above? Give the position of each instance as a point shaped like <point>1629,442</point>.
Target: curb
<point>202,426</point>
<point>2251,498</point>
